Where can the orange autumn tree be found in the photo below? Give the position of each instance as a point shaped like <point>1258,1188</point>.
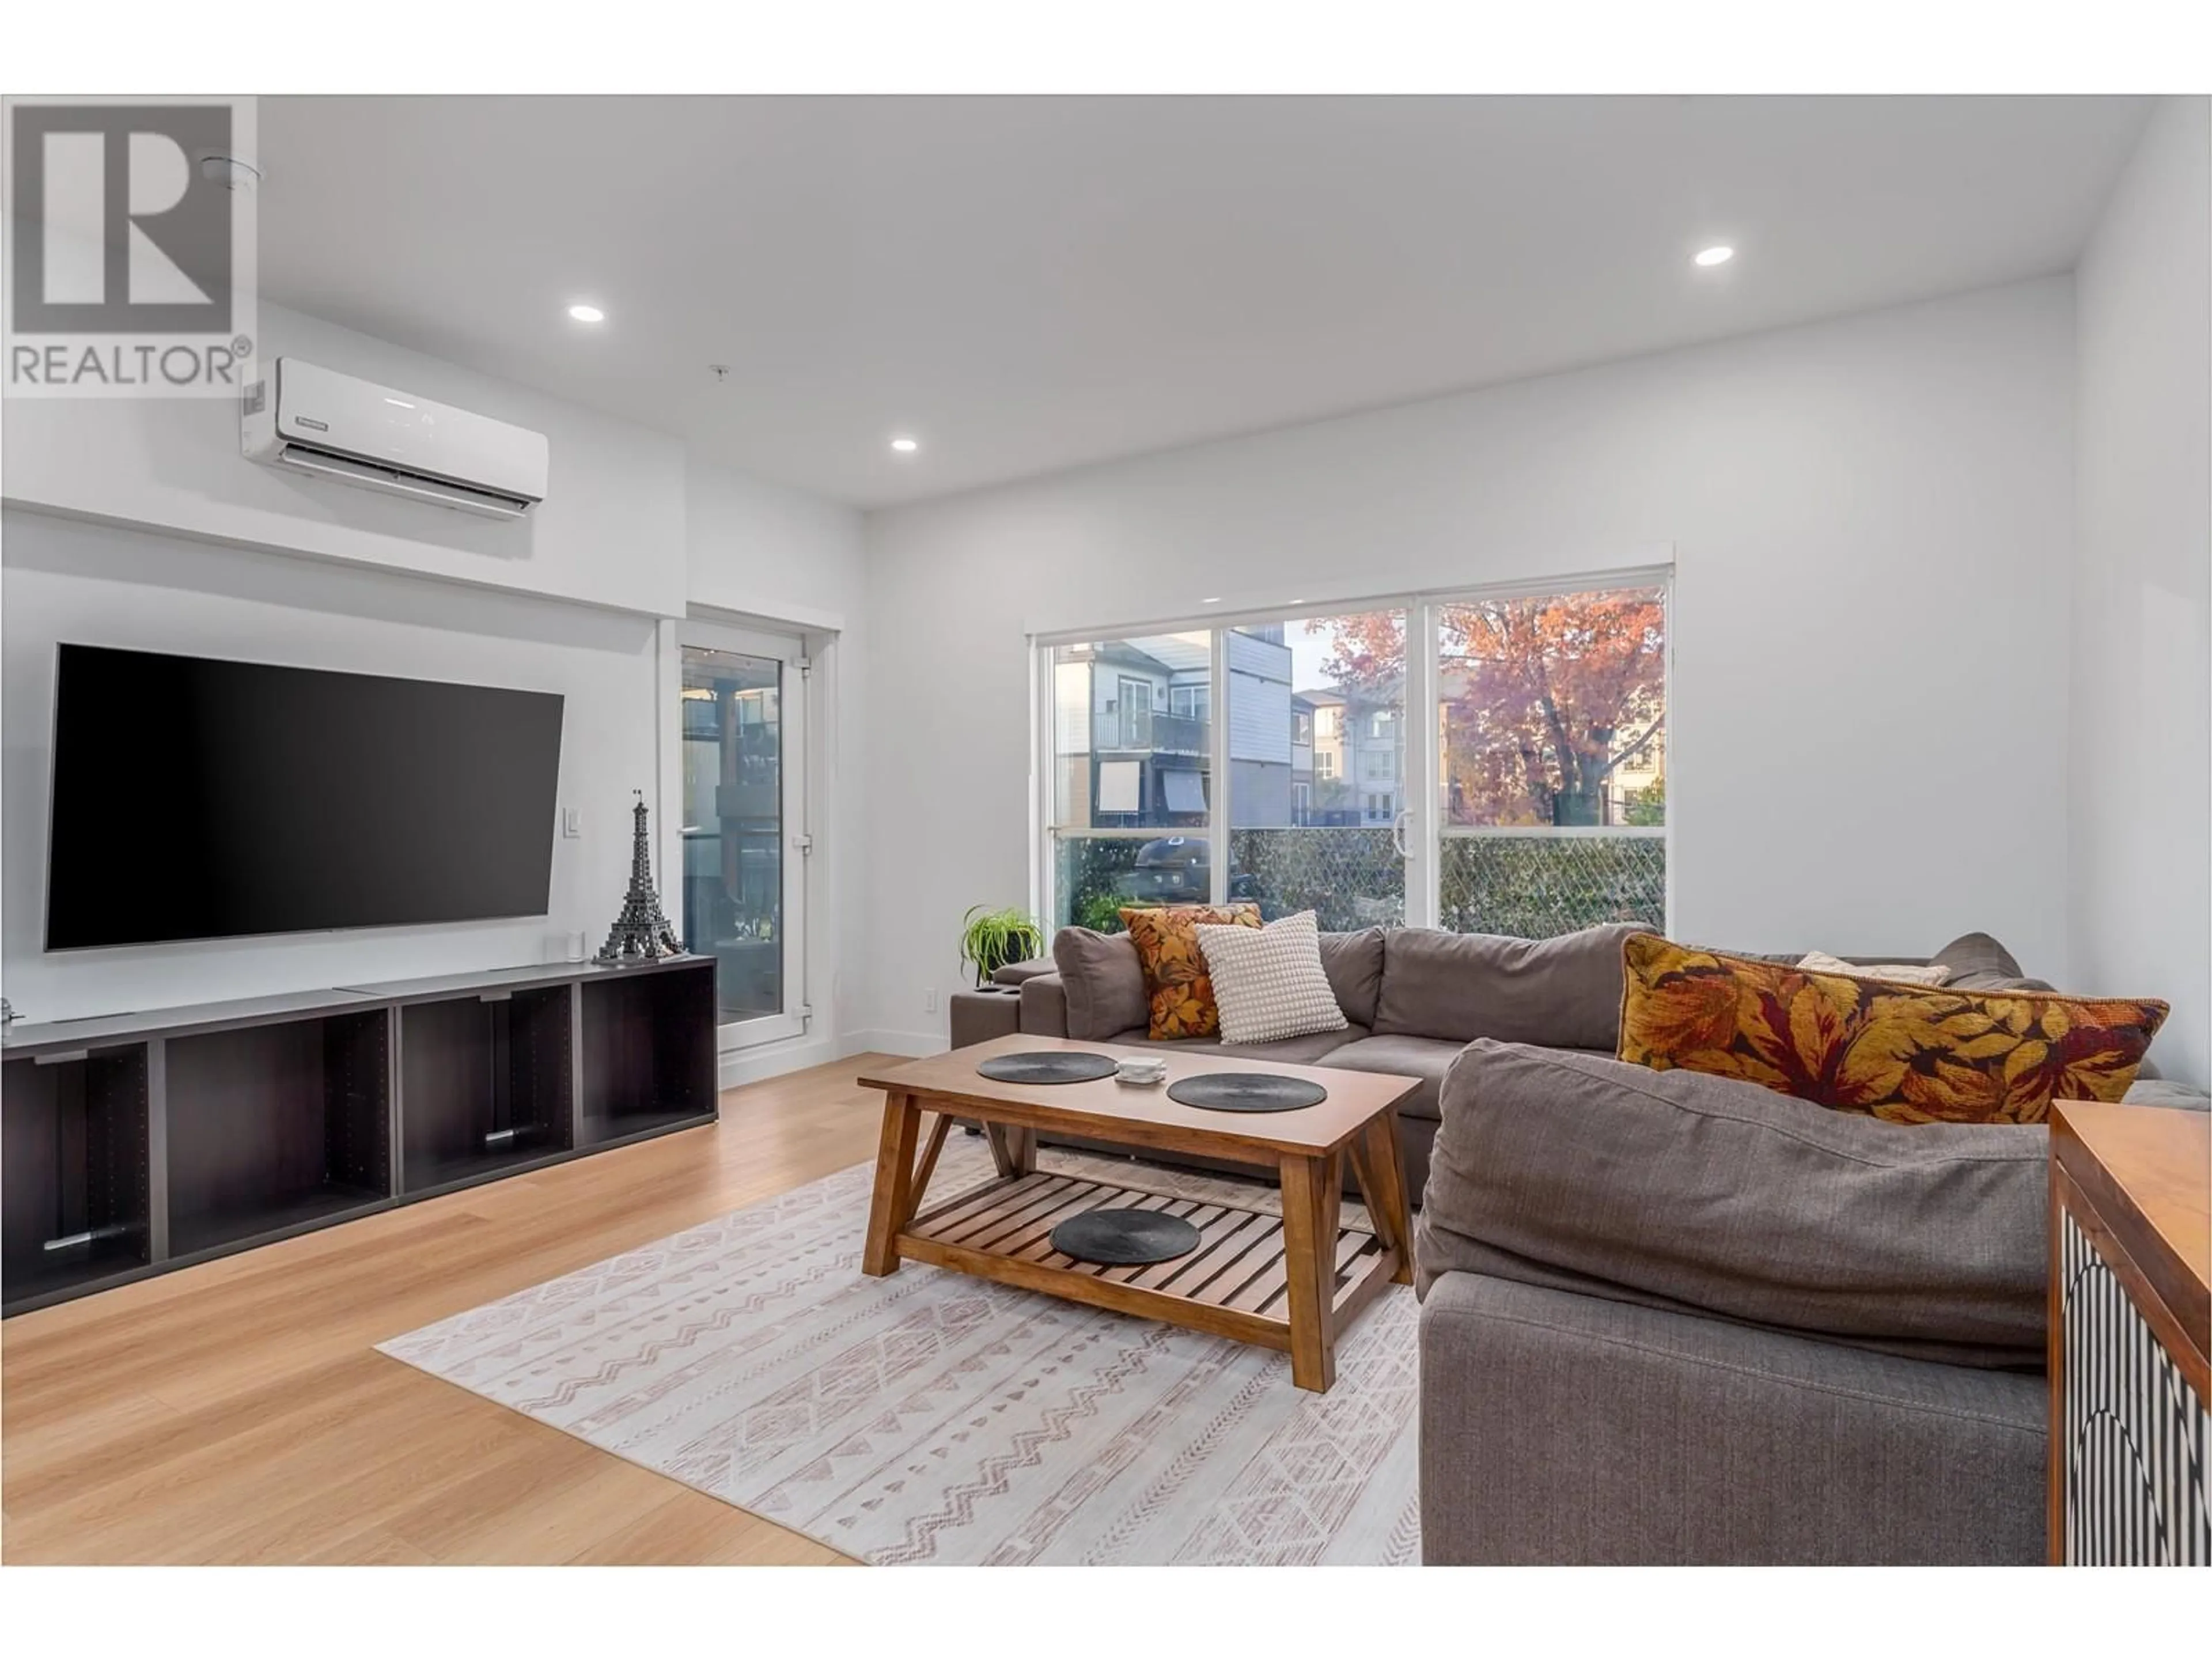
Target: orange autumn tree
<point>1543,699</point>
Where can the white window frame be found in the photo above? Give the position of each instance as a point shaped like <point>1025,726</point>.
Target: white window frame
<point>1419,817</point>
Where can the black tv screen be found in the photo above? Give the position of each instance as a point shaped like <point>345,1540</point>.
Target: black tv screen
<point>194,798</point>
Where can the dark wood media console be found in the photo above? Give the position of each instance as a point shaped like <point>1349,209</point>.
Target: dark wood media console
<point>138,1143</point>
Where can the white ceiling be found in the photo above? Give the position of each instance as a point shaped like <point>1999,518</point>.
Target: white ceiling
<point>1026,284</point>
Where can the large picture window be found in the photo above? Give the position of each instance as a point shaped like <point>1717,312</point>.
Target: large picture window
<point>1535,805</point>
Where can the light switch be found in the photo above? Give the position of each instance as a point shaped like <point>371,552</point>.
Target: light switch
<point>572,823</point>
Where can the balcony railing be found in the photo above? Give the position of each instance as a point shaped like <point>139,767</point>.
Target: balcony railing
<point>1149,732</point>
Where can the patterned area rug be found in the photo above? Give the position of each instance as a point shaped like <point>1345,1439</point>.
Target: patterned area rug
<point>931,1417</point>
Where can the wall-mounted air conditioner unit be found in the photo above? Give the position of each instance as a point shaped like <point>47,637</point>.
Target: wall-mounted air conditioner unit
<point>327,425</point>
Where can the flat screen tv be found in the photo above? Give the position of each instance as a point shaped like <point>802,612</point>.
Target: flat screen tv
<point>197,798</point>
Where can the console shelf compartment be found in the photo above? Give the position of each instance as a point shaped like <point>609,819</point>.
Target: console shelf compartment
<point>78,1207</point>
<point>488,1083</point>
<point>274,1126</point>
<point>647,1054</point>
<point>137,1143</point>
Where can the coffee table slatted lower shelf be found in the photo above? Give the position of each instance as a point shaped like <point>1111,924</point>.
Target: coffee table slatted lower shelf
<point>1234,1284</point>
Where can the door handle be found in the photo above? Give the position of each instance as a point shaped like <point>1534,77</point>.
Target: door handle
<point>1399,825</point>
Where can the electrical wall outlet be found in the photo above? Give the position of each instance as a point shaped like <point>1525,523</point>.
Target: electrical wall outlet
<point>929,1001</point>
<point>572,823</point>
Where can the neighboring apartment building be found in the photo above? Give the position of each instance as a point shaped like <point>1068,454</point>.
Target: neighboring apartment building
<point>1358,761</point>
<point>1135,737</point>
<point>1136,731</point>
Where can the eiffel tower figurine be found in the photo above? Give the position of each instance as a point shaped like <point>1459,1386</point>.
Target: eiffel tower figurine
<point>640,933</point>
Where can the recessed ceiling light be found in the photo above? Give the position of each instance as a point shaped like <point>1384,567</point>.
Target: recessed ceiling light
<point>588,314</point>
<point>1216,601</point>
<point>1719,254</point>
<point>905,445</point>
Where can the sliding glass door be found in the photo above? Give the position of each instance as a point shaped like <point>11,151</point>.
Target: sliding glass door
<point>743,827</point>
<point>1292,760</point>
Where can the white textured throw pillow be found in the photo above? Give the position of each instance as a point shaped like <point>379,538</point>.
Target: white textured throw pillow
<point>1268,980</point>
<point>1819,962</point>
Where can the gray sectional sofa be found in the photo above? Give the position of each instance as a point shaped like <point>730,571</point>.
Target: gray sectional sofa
<point>1415,997</point>
<point>1666,1317</point>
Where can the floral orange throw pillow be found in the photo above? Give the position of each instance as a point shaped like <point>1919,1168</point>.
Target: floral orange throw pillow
<point>1176,982</point>
<point>1907,1054</point>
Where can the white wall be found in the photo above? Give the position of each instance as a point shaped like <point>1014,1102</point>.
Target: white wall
<point>778,555</point>
<point>757,548</point>
<point>610,531</point>
<point>2141,803</point>
<point>139,524</point>
<point>96,584</point>
<point>1872,518</point>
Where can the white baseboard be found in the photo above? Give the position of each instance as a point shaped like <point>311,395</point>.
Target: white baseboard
<point>743,1065</point>
<point>911,1045</point>
<point>746,1065</point>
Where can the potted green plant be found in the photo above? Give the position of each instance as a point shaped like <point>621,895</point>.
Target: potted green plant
<point>991,939</point>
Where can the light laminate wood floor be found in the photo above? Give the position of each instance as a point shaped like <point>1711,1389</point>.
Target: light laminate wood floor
<point>236,1412</point>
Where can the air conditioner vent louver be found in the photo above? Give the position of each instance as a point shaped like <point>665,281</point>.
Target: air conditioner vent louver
<point>307,457</point>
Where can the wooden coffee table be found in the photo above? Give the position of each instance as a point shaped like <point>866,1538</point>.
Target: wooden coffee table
<point>1292,1282</point>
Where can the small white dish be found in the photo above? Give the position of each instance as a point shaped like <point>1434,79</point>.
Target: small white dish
<point>1146,1073</point>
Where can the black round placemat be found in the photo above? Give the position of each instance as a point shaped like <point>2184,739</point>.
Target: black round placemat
<point>1046,1065</point>
<point>1125,1238</point>
<point>1247,1091</point>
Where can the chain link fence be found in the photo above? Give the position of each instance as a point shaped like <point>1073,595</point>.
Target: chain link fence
<point>1530,886</point>
<point>1537,886</point>
<point>1349,878</point>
